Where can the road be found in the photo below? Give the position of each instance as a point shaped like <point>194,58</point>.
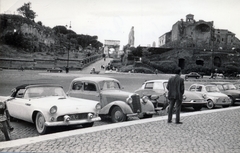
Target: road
<point>12,78</point>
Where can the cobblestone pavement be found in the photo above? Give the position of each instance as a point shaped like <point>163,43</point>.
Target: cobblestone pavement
<point>203,131</point>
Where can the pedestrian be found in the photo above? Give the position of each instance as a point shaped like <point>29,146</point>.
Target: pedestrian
<point>175,88</point>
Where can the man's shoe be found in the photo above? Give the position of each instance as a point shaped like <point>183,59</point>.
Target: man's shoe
<point>169,121</point>
<point>179,122</point>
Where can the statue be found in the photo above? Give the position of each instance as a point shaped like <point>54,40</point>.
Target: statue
<point>131,37</point>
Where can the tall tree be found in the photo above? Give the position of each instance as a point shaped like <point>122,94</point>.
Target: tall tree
<point>26,11</point>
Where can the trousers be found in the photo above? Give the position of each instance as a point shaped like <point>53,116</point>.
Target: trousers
<point>178,105</point>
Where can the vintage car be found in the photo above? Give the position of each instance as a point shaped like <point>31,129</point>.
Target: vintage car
<point>229,89</point>
<point>212,94</point>
<point>193,75</point>
<point>115,102</point>
<point>158,87</point>
<point>55,69</point>
<point>47,105</point>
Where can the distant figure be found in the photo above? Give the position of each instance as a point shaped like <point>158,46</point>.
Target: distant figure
<point>175,88</point>
<point>131,37</point>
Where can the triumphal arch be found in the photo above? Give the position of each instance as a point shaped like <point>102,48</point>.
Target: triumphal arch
<point>111,48</point>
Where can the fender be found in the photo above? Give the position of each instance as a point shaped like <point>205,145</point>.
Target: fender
<point>123,105</point>
<point>147,107</point>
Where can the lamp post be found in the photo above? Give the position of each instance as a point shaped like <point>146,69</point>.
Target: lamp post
<point>67,68</point>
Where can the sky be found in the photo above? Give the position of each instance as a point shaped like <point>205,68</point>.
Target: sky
<point>113,19</point>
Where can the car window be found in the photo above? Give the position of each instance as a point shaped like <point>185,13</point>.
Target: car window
<point>89,87</point>
<point>110,85</point>
<point>212,89</point>
<point>77,86</point>
<point>199,88</point>
<point>220,87</point>
<point>20,93</point>
<point>149,85</point>
<point>158,85</point>
<point>36,92</point>
<point>192,88</point>
<point>229,87</point>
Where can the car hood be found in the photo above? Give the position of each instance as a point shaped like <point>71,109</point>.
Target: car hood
<point>216,94</point>
<point>193,95</point>
<point>65,104</point>
<point>232,92</point>
<point>117,94</point>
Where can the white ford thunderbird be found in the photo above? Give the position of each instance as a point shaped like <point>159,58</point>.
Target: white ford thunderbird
<point>47,105</point>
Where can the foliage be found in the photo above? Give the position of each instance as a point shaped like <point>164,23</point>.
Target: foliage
<point>26,11</point>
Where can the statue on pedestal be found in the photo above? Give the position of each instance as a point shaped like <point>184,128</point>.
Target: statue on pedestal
<point>131,37</point>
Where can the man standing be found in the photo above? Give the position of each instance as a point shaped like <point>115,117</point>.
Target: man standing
<point>175,88</point>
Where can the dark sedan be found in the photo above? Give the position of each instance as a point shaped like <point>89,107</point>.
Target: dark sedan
<point>193,75</point>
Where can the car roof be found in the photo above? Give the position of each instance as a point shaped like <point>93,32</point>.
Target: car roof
<point>219,83</point>
<point>161,81</point>
<point>95,79</point>
<point>203,84</point>
<point>24,86</point>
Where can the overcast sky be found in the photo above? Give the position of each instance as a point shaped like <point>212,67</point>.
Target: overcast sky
<point>113,19</point>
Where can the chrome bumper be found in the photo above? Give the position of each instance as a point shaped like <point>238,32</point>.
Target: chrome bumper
<point>72,122</point>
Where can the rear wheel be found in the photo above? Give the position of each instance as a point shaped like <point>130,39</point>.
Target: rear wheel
<point>117,115</point>
<point>232,100</point>
<point>6,131</point>
<point>210,104</point>
<point>40,124</point>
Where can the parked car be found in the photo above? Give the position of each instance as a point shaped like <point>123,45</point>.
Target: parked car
<point>193,75</point>
<point>212,94</point>
<point>115,102</point>
<point>229,89</point>
<point>55,69</point>
<point>158,87</point>
<point>46,105</point>
<point>237,85</point>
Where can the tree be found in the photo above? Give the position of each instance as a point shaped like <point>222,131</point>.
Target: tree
<point>26,11</point>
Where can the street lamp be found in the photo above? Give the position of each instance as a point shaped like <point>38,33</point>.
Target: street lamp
<point>67,68</point>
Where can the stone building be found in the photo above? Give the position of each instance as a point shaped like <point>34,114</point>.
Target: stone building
<point>198,34</point>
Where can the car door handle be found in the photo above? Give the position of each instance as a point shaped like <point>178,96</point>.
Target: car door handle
<point>27,104</point>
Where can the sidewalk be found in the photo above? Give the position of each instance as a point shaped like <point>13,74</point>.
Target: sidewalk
<point>215,130</point>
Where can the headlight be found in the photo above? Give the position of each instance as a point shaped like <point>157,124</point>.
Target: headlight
<point>145,99</point>
<point>129,100</point>
<point>53,109</point>
<point>98,106</point>
<point>184,97</point>
<point>2,105</point>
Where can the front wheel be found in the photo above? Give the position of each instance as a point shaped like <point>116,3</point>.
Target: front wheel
<point>6,131</point>
<point>210,104</point>
<point>117,115</point>
<point>40,124</point>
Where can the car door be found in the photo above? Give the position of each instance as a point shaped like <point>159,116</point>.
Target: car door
<point>20,107</point>
<point>88,90</point>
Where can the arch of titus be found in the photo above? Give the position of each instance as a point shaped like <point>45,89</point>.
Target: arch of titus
<point>108,44</point>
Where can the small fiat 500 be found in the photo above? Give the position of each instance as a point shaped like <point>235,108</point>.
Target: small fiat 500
<point>115,102</point>
<point>46,105</point>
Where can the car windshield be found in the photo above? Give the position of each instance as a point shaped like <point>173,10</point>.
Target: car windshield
<point>110,85</point>
<point>229,87</point>
<point>36,92</point>
<point>212,89</point>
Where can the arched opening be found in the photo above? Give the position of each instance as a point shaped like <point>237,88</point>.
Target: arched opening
<point>181,63</point>
<point>217,61</point>
<point>200,62</point>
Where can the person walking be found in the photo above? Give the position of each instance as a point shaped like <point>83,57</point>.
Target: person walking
<point>175,88</point>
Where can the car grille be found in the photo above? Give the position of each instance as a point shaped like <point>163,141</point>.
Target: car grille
<point>74,116</point>
<point>136,106</point>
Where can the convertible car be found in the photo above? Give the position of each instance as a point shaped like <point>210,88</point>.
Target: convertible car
<point>47,105</point>
<point>158,87</point>
<point>212,94</point>
<point>116,103</point>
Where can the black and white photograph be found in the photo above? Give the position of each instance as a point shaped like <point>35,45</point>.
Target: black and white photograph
<point>120,76</point>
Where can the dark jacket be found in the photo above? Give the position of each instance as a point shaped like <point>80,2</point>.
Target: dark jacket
<point>175,87</point>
